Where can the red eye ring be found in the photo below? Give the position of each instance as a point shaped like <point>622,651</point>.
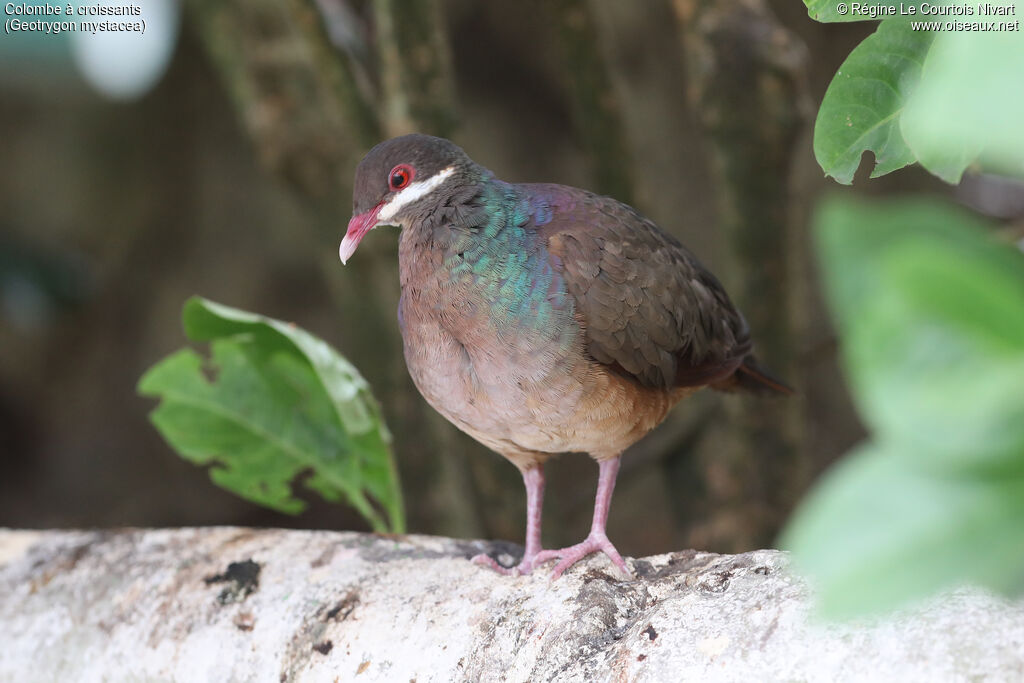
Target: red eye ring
<point>400,176</point>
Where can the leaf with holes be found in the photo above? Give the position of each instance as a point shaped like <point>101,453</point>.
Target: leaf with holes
<point>273,404</point>
<point>863,104</point>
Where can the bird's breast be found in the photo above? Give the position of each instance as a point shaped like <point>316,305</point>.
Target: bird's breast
<point>490,339</point>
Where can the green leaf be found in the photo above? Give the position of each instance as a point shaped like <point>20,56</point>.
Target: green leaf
<point>965,321</point>
<point>205,320</point>
<point>280,403</point>
<point>851,235</point>
<point>863,104</point>
<point>932,317</point>
<point>876,533</point>
<point>969,108</point>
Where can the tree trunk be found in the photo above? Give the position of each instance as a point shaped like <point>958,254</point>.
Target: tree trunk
<point>747,86</point>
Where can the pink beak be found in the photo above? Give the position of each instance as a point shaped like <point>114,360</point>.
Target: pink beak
<point>357,228</point>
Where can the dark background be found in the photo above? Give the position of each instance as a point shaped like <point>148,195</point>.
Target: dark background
<point>232,181</point>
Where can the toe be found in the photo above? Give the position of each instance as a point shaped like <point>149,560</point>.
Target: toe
<point>617,560</point>
<point>605,546</point>
<point>527,564</point>
<point>522,569</point>
<point>546,556</point>
<point>486,560</point>
<point>569,556</point>
<point>561,567</point>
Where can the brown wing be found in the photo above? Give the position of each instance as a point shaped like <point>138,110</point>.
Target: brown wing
<point>648,307</point>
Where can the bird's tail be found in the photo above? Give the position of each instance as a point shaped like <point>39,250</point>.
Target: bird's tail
<point>752,378</point>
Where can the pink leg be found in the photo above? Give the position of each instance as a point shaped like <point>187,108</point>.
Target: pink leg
<point>534,480</point>
<point>597,540</point>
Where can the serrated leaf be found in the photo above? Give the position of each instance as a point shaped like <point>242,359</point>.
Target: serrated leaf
<point>969,107</point>
<point>280,403</point>
<point>863,104</point>
<point>876,533</point>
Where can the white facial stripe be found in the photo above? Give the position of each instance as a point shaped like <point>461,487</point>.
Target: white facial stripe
<point>412,193</point>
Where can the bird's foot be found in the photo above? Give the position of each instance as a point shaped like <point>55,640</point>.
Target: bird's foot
<point>569,556</point>
<point>521,569</point>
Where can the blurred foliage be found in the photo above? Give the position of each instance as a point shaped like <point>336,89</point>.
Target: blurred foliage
<point>948,100</point>
<point>272,404</point>
<point>931,313</point>
<point>970,105</point>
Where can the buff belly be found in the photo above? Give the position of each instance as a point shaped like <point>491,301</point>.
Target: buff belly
<point>528,406</point>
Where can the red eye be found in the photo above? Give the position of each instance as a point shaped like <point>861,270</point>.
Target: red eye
<point>400,176</point>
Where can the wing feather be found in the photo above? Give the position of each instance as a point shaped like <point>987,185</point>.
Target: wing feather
<point>648,307</point>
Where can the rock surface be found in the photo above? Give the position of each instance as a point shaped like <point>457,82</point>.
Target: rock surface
<point>232,604</point>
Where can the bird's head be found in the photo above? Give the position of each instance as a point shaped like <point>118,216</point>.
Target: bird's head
<point>397,177</point>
